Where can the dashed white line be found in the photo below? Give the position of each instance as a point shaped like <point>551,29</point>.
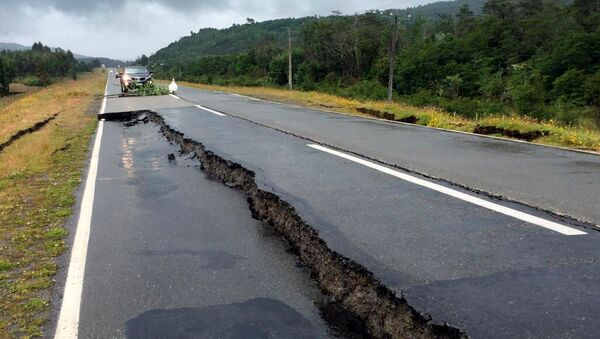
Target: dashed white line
<point>211,111</point>
<point>456,194</point>
<point>247,97</point>
<point>68,319</point>
<point>174,96</point>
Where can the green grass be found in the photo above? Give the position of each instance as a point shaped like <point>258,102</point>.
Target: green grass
<point>38,176</point>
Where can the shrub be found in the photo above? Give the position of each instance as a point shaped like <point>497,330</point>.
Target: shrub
<point>422,98</point>
<point>32,81</point>
<point>569,87</point>
<point>365,90</point>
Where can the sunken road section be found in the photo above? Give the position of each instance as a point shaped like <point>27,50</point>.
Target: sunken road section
<point>385,314</point>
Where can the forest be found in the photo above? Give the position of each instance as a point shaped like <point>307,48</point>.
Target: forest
<point>39,66</point>
<point>537,58</point>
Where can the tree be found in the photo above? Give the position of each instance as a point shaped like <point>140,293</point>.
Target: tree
<point>5,76</point>
<point>143,60</point>
<point>465,21</point>
<point>592,90</point>
<point>503,9</point>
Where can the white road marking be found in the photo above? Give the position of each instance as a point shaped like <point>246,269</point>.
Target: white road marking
<point>247,97</point>
<point>211,111</point>
<point>456,194</point>
<point>103,108</point>
<point>174,96</point>
<point>68,319</point>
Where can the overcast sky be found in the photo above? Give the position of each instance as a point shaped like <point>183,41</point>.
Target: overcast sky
<point>128,28</point>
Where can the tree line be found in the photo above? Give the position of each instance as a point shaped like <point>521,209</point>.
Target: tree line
<point>39,66</point>
<point>539,58</point>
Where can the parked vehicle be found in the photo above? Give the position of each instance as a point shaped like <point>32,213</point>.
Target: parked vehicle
<point>132,76</point>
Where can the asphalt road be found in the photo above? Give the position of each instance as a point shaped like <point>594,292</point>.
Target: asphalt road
<point>169,247</point>
<point>173,253</point>
<point>562,181</point>
<point>490,274</point>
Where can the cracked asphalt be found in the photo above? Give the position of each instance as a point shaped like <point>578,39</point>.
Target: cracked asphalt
<point>170,248</point>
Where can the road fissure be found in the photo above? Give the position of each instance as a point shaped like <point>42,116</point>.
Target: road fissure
<point>381,310</point>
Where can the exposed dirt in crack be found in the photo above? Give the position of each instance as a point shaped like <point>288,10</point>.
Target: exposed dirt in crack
<point>527,136</point>
<point>36,127</point>
<point>411,119</point>
<point>385,314</point>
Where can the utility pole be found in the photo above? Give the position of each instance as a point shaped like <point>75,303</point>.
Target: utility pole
<point>290,58</point>
<point>393,58</point>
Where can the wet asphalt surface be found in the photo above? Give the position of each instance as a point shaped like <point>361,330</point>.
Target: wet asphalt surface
<point>173,253</point>
<point>564,182</point>
<point>171,247</point>
<point>490,274</point>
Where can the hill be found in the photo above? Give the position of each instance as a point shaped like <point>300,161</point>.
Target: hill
<point>12,46</point>
<point>240,38</point>
<point>437,9</point>
<point>235,39</point>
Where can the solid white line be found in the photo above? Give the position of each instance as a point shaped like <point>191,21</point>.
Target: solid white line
<point>68,319</point>
<point>103,108</point>
<point>211,111</point>
<point>456,194</point>
<point>174,96</point>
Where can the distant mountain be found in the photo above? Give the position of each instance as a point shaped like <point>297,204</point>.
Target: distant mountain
<point>239,38</point>
<point>104,61</point>
<point>11,46</point>
<point>434,10</point>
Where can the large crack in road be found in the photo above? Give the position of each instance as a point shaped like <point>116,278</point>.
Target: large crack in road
<point>382,311</point>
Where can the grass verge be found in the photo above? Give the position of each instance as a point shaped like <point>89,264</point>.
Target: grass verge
<point>517,127</point>
<point>17,91</point>
<point>38,176</point>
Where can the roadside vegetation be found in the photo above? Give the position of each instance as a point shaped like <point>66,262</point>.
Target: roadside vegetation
<point>148,89</point>
<point>39,172</point>
<point>522,69</point>
<point>16,91</point>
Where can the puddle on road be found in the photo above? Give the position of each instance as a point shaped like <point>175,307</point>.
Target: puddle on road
<point>254,318</point>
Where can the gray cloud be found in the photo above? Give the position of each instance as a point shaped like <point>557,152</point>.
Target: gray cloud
<point>128,28</point>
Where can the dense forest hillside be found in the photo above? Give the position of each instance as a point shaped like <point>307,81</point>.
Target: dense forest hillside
<point>237,38</point>
<point>536,58</point>
<point>241,38</point>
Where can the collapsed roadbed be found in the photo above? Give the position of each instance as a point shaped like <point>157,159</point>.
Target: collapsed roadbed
<point>384,313</point>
